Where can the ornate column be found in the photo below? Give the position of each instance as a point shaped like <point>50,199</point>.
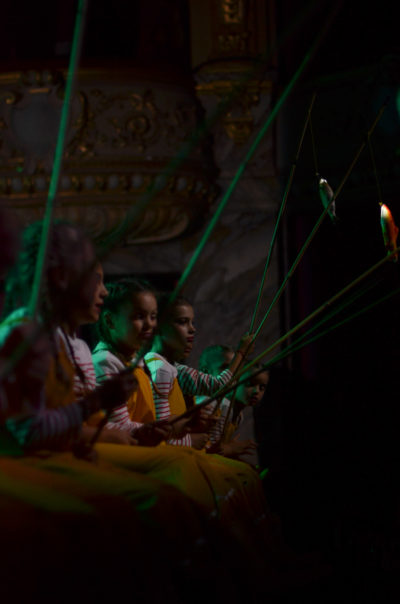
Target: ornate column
<point>234,64</point>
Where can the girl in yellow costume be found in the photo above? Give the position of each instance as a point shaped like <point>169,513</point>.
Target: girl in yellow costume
<point>86,507</point>
<point>127,322</point>
<point>172,380</point>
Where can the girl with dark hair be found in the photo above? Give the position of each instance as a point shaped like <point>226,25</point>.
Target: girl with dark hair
<point>170,378</point>
<point>127,323</point>
<point>126,327</point>
<point>68,283</point>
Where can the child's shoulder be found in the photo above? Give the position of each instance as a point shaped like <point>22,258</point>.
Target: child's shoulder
<point>156,362</point>
<point>15,319</point>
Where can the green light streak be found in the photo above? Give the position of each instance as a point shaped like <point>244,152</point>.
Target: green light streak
<point>237,177</point>
<point>252,149</point>
<point>58,156</point>
<point>321,308</point>
<point>228,388</point>
<point>281,210</point>
<point>318,224</point>
<point>297,345</point>
<point>135,212</point>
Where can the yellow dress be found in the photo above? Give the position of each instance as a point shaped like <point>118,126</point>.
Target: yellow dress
<point>141,403</point>
<point>237,488</point>
<point>100,522</point>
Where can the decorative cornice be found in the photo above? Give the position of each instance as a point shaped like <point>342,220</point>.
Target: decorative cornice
<point>238,121</point>
<point>121,137</point>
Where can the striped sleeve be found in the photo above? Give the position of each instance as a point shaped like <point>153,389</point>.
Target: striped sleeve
<point>196,382</point>
<point>119,418</point>
<point>49,428</point>
<point>105,366</point>
<point>162,379</point>
<point>186,441</point>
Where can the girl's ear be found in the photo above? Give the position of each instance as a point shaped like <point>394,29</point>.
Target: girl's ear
<point>60,277</point>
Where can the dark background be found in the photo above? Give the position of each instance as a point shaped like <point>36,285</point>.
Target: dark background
<point>328,427</point>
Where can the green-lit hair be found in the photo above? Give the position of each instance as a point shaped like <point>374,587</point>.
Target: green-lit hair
<point>65,240</point>
<point>119,293</point>
<point>211,354</point>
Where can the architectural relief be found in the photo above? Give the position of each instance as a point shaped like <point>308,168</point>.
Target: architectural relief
<point>122,140</point>
<point>233,11</point>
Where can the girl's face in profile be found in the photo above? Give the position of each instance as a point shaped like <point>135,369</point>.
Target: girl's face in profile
<point>92,294</point>
<point>134,324</point>
<point>178,333</point>
<point>252,391</point>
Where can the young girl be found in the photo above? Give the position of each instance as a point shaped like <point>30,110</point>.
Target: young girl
<point>170,378</point>
<point>75,295</point>
<point>126,327</point>
<point>128,319</point>
<point>48,424</point>
<point>119,429</point>
<point>61,516</point>
<point>248,395</point>
<point>214,360</point>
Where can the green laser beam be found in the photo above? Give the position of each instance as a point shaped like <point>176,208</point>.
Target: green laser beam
<point>153,189</point>
<point>335,311</point>
<point>317,225</point>
<point>261,133</point>
<point>280,214</point>
<point>58,157</point>
<point>281,355</point>
<point>297,345</point>
<point>323,307</point>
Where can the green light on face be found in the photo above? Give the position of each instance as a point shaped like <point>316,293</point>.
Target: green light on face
<point>20,169</point>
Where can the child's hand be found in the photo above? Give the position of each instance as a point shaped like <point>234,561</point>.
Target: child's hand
<point>246,345</point>
<point>199,441</point>
<point>150,435</point>
<point>237,447</point>
<point>179,428</point>
<point>117,437</point>
<point>201,421</point>
<point>116,391</point>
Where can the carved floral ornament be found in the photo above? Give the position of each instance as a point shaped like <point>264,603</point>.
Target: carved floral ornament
<point>121,137</point>
<point>233,11</point>
<point>238,122</point>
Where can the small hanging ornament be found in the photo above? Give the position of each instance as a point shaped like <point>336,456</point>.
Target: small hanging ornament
<point>389,231</point>
<point>327,198</point>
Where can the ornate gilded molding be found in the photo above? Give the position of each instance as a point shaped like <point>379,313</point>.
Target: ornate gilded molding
<point>123,133</point>
<point>233,11</point>
<point>238,121</point>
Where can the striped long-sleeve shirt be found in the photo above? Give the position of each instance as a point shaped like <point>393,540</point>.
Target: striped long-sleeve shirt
<point>79,354</point>
<point>196,382</point>
<point>40,427</point>
<point>105,365</point>
<point>163,376</point>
